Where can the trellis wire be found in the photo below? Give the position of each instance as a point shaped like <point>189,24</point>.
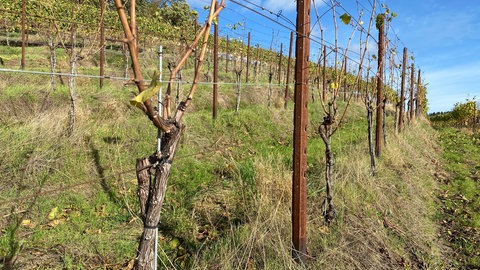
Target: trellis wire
<point>125,78</point>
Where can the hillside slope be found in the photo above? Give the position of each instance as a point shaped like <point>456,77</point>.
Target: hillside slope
<point>70,202</point>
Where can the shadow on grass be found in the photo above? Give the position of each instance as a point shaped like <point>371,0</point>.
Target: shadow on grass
<point>100,170</point>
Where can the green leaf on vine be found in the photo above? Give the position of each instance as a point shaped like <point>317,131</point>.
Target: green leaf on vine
<point>346,18</point>
<point>379,21</point>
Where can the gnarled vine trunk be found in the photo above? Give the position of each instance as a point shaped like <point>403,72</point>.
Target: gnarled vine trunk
<point>71,80</point>
<point>153,172</point>
<point>53,62</point>
<point>328,210</point>
<point>238,73</point>
<point>152,176</point>
<point>370,137</point>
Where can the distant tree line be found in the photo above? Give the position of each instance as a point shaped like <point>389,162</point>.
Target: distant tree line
<point>463,114</point>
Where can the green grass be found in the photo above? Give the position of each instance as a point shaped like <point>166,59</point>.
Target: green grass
<point>229,191</point>
<point>461,195</point>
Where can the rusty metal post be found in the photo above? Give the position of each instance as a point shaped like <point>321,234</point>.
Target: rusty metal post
<point>410,102</point>
<point>22,61</point>
<point>324,74</point>
<point>418,98</point>
<point>102,41</point>
<point>280,64</point>
<point>475,117</point>
<point>187,42</point>
<point>345,86</point>
<point>402,91</point>
<point>248,57</point>
<point>287,81</point>
<point>257,65</point>
<point>227,56</point>
<point>300,120</point>
<point>215,67</point>
<point>195,56</point>
<point>381,53</point>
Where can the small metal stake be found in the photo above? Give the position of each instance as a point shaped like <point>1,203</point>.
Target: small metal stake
<point>159,135</point>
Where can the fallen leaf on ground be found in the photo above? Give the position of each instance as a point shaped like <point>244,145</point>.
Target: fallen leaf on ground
<point>28,223</point>
<point>56,222</point>
<point>53,213</point>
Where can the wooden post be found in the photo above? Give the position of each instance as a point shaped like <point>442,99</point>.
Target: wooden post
<point>299,183</point>
<point>381,53</point>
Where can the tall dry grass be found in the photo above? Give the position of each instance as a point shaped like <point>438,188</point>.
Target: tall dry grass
<point>383,222</point>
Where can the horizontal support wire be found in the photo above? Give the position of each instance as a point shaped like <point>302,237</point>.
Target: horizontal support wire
<point>46,73</point>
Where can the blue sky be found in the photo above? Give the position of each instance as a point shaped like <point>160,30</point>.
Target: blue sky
<point>443,36</point>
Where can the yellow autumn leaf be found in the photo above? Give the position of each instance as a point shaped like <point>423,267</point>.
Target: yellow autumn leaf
<point>334,85</point>
<point>174,243</point>
<point>147,93</point>
<point>101,211</point>
<point>93,231</point>
<point>56,222</point>
<point>324,230</point>
<point>53,213</point>
<point>28,223</point>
